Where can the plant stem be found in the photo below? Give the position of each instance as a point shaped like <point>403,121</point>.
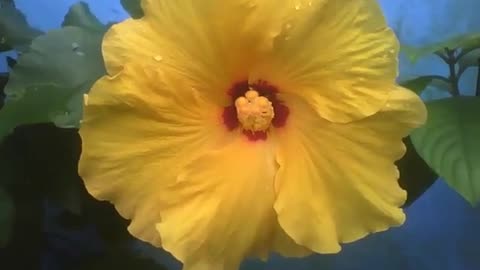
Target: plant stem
<point>451,61</point>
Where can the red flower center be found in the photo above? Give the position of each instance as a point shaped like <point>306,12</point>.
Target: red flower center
<point>264,89</point>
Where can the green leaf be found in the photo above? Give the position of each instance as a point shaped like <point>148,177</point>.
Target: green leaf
<point>15,32</point>
<point>449,143</point>
<point>48,82</point>
<point>470,59</point>
<point>419,84</point>
<point>465,42</point>
<point>133,7</point>
<point>6,217</point>
<point>80,15</point>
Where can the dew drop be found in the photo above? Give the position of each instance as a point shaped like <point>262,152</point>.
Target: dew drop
<point>158,58</point>
<point>297,6</point>
<point>76,49</point>
<point>288,26</point>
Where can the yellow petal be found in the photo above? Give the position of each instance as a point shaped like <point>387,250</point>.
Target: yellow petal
<point>337,54</point>
<point>220,209</point>
<point>213,43</point>
<point>284,245</point>
<point>338,182</point>
<point>137,132</point>
<point>137,42</point>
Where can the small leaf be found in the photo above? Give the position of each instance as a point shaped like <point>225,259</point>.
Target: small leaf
<point>420,83</point>
<point>80,15</point>
<point>15,32</point>
<point>133,7</point>
<point>470,59</point>
<point>6,217</point>
<point>449,143</point>
<point>50,78</point>
<point>465,42</point>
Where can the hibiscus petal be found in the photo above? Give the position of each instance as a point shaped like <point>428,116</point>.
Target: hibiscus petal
<point>338,182</point>
<point>137,133</point>
<point>213,43</point>
<point>336,54</point>
<point>220,209</point>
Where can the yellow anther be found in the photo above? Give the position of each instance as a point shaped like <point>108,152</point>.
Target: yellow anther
<point>251,94</point>
<point>241,101</point>
<point>263,102</point>
<point>254,112</point>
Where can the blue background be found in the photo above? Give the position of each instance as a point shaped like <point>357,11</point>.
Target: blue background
<point>441,231</point>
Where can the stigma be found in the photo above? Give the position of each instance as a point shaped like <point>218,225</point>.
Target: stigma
<point>254,112</point>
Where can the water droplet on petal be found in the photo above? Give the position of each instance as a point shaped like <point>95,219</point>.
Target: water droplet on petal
<point>288,26</point>
<point>75,46</point>
<point>158,58</point>
<point>297,6</point>
<point>76,49</point>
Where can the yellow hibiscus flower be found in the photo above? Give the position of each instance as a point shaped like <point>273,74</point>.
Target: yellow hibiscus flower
<point>234,128</point>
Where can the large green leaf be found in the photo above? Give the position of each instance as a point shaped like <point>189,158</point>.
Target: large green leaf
<point>80,15</point>
<point>15,32</point>
<point>133,7</point>
<point>465,42</point>
<point>449,143</point>
<point>6,217</point>
<point>470,59</point>
<point>420,83</point>
<point>48,82</point>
